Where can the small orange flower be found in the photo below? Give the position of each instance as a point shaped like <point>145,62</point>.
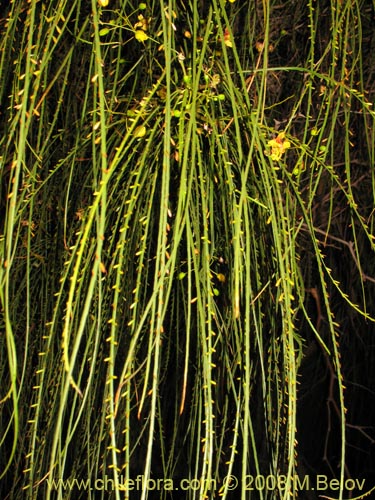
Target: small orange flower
<point>227,39</point>
<point>278,146</point>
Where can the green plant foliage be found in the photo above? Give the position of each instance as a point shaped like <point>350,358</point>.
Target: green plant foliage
<point>186,245</point>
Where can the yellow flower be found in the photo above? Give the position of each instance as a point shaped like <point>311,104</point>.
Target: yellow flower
<point>140,29</point>
<point>140,35</point>
<point>278,146</point>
